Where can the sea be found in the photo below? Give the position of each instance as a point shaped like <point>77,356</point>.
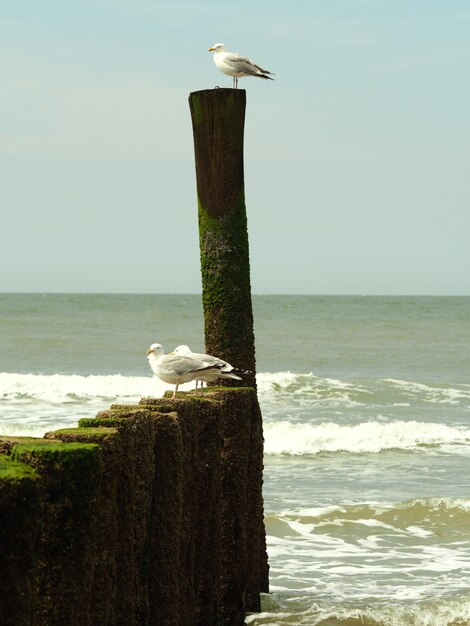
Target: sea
<point>366,409</point>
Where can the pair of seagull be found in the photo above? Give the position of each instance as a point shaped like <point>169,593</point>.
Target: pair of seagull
<point>236,65</point>
<point>183,366</point>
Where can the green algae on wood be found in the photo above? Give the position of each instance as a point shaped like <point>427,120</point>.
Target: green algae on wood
<point>70,482</point>
<point>93,434</point>
<point>98,422</point>
<point>14,470</point>
<point>196,107</point>
<point>20,498</point>
<point>153,525</point>
<point>7,443</point>
<point>40,452</point>
<point>218,117</point>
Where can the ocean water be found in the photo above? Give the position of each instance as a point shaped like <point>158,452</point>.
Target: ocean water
<point>366,407</point>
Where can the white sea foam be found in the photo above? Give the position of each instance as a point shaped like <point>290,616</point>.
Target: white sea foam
<point>281,393</point>
<point>354,552</point>
<point>32,404</point>
<point>285,437</point>
<point>272,387</point>
<point>275,388</point>
<point>432,394</point>
<point>406,611</point>
<point>441,612</point>
<point>360,511</point>
<point>60,388</point>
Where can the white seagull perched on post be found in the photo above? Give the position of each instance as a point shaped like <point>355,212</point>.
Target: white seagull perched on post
<point>218,368</point>
<point>236,65</point>
<point>176,369</point>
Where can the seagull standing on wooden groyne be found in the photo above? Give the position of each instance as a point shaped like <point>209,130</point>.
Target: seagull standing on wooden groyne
<point>222,368</point>
<point>176,369</point>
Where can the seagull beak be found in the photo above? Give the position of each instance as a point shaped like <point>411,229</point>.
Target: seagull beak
<point>149,351</point>
<point>211,49</point>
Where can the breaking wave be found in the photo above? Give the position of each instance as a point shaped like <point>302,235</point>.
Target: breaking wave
<point>290,438</point>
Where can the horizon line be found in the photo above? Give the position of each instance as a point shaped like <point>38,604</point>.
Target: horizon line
<point>256,294</point>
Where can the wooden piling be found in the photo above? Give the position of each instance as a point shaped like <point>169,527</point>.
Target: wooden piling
<point>218,119</point>
<point>148,514</point>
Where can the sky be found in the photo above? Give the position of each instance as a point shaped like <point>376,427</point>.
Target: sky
<point>357,164</point>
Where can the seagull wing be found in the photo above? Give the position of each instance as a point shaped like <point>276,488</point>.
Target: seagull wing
<point>242,64</point>
<point>210,361</point>
<point>184,365</point>
<point>258,67</point>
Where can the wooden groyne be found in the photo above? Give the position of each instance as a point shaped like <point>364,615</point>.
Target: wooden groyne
<point>148,514</point>
<point>152,514</point>
<point>218,119</point>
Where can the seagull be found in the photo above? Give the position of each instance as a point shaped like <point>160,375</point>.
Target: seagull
<point>236,65</point>
<point>176,369</point>
<point>216,368</point>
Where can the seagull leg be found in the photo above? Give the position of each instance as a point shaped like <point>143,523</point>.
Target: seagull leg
<point>174,392</point>
<point>195,390</point>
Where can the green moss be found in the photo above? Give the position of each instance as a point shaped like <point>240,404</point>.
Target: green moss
<point>204,398</point>
<point>126,409</point>
<point>7,443</point>
<point>65,454</point>
<point>89,431</point>
<point>13,470</point>
<point>196,109</point>
<point>231,390</point>
<point>23,439</point>
<point>166,403</point>
<point>43,446</point>
<point>226,286</point>
<point>233,225</point>
<point>100,423</point>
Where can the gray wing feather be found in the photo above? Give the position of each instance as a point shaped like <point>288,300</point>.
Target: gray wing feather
<point>209,360</point>
<point>182,365</point>
<point>261,69</point>
<point>243,64</point>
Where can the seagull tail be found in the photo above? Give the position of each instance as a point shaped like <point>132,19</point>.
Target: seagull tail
<point>230,375</point>
<point>239,373</point>
<point>235,374</point>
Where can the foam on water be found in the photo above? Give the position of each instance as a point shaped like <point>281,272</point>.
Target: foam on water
<point>299,396</point>
<point>443,611</point>
<point>275,388</point>
<point>60,388</point>
<point>360,553</point>
<point>433,394</point>
<point>295,396</point>
<point>285,437</point>
<point>32,404</point>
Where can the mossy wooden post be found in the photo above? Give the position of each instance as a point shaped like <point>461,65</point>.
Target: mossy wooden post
<point>218,118</point>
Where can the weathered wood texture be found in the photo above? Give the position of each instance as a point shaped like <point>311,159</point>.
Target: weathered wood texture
<point>218,118</point>
<point>147,515</point>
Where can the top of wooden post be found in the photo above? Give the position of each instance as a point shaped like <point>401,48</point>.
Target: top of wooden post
<point>218,117</point>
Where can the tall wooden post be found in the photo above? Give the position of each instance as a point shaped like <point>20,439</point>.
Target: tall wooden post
<point>218,118</point>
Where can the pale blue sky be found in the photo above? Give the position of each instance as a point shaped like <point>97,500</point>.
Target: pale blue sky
<point>357,163</point>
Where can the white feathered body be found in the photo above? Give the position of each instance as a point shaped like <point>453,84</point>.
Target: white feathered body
<point>236,65</point>
<point>176,369</point>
